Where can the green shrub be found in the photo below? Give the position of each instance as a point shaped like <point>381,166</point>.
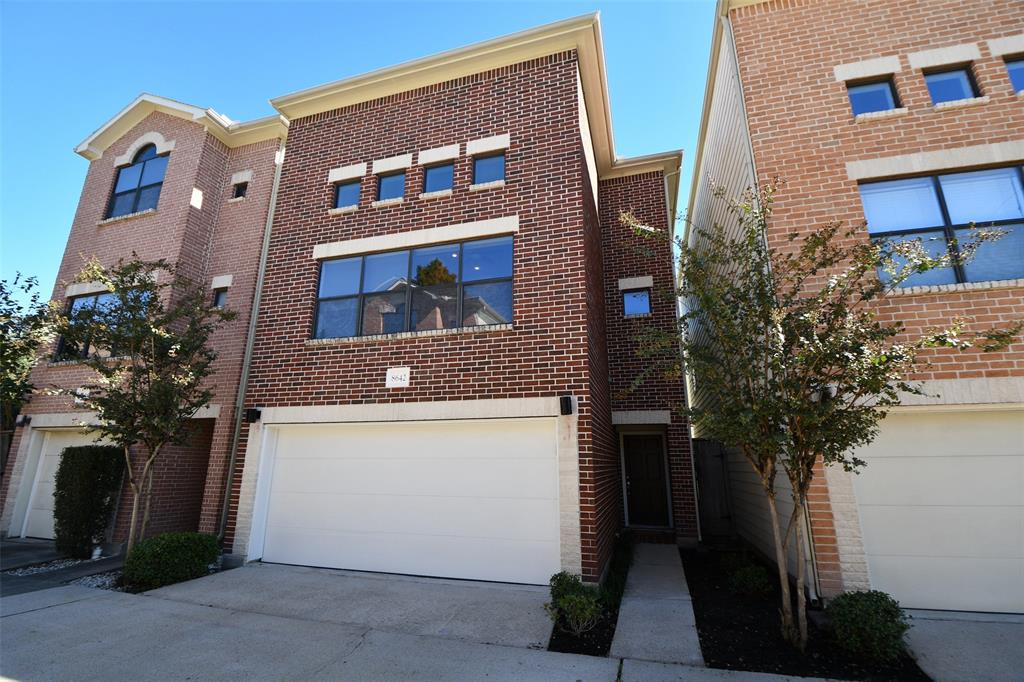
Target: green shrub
<point>751,580</point>
<point>574,607</point>
<point>169,558</point>
<point>84,494</point>
<point>869,624</point>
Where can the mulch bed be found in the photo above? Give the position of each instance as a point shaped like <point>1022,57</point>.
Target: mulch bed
<point>739,632</point>
<point>595,642</point>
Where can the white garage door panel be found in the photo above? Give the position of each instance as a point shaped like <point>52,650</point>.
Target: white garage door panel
<point>39,521</point>
<point>468,499</point>
<point>941,505</point>
<point>951,583</point>
<point>368,476</point>
<point>501,518</point>
<point>945,531</point>
<point>943,480</point>
<point>476,558</point>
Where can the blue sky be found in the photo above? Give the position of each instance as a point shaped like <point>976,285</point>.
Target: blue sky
<point>68,67</point>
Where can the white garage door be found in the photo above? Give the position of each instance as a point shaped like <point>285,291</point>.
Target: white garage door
<point>470,499</point>
<point>942,510</point>
<point>39,520</point>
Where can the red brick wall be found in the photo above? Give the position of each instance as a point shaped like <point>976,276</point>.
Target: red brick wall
<point>803,132</point>
<point>546,354</point>
<point>628,255</point>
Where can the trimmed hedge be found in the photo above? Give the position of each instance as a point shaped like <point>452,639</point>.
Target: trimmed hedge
<point>85,492</point>
<point>869,624</point>
<point>169,558</point>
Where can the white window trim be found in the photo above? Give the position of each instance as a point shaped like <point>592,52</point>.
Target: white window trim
<point>154,138</point>
<point>414,238</point>
<point>392,163</point>
<point>868,68</point>
<point>488,144</point>
<point>944,56</point>
<point>629,283</point>
<point>356,170</point>
<point>437,154</point>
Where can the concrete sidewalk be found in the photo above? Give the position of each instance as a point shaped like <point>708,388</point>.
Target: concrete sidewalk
<point>656,619</point>
<point>82,633</point>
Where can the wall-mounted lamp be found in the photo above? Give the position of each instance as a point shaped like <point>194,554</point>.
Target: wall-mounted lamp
<point>252,415</point>
<point>23,420</point>
<point>565,403</point>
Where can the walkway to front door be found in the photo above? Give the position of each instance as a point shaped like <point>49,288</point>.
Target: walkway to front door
<point>646,482</point>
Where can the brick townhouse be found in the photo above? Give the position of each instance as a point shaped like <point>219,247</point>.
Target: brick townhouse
<point>906,117</point>
<point>436,379</point>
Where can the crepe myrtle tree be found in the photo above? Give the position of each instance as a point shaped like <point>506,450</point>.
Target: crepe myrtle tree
<point>147,341</point>
<point>789,361</point>
<point>26,324</point>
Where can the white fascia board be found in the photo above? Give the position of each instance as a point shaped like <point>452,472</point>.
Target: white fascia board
<point>430,235</point>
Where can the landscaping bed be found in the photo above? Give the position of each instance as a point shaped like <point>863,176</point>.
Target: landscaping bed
<point>741,631</point>
<point>598,640</point>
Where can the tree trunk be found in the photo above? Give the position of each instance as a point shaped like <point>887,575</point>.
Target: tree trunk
<point>135,500</point>
<point>789,632</point>
<point>148,488</point>
<point>801,599</point>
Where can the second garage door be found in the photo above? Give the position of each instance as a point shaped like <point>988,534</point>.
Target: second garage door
<point>469,499</point>
<point>942,510</point>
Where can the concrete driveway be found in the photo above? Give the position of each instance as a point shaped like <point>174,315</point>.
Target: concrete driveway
<point>955,646</point>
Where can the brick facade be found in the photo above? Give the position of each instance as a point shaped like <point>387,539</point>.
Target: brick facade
<point>567,336</point>
<point>803,132</point>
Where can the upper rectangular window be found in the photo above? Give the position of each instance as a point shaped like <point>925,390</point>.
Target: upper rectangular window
<point>137,187</point>
<point>636,303</point>
<point>866,98</point>
<point>950,85</point>
<point>346,194</point>
<point>438,178</point>
<point>220,298</point>
<point>1015,69</point>
<point>488,168</point>
<point>79,307</point>
<point>940,209</point>
<point>239,190</point>
<point>444,286</point>
<point>391,186</point>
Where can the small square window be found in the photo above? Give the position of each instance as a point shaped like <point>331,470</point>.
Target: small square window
<point>240,189</point>
<point>220,298</point>
<point>951,85</point>
<point>636,302</point>
<point>875,96</point>
<point>488,169</point>
<point>346,194</point>
<point>391,186</point>
<point>438,178</point>
<point>1015,67</point>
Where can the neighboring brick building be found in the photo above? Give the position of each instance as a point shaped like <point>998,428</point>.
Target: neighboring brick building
<point>907,115</point>
<point>442,296</point>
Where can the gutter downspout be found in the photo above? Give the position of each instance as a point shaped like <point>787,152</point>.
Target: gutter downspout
<point>249,342</point>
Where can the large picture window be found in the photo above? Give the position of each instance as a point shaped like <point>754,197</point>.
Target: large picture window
<point>83,307</point>
<point>444,286</point>
<point>138,186</point>
<point>938,209</point>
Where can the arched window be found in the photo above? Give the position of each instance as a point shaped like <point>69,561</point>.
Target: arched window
<point>138,185</point>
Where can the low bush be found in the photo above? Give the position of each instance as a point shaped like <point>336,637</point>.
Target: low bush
<point>169,558</point>
<point>751,580</point>
<point>869,624</point>
<point>84,494</point>
<point>574,607</point>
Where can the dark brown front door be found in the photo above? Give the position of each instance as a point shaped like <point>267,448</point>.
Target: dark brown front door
<point>644,456</point>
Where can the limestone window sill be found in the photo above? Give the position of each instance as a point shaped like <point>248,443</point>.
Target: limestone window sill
<point>876,115</point>
<point>960,103</point>
<point>126,216</point>
<point>388,202</point>
<point>343,210</point>
<point>408,335</point>
<point>487,185</point>
<point>436,195</point>
<point>960,287</point>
